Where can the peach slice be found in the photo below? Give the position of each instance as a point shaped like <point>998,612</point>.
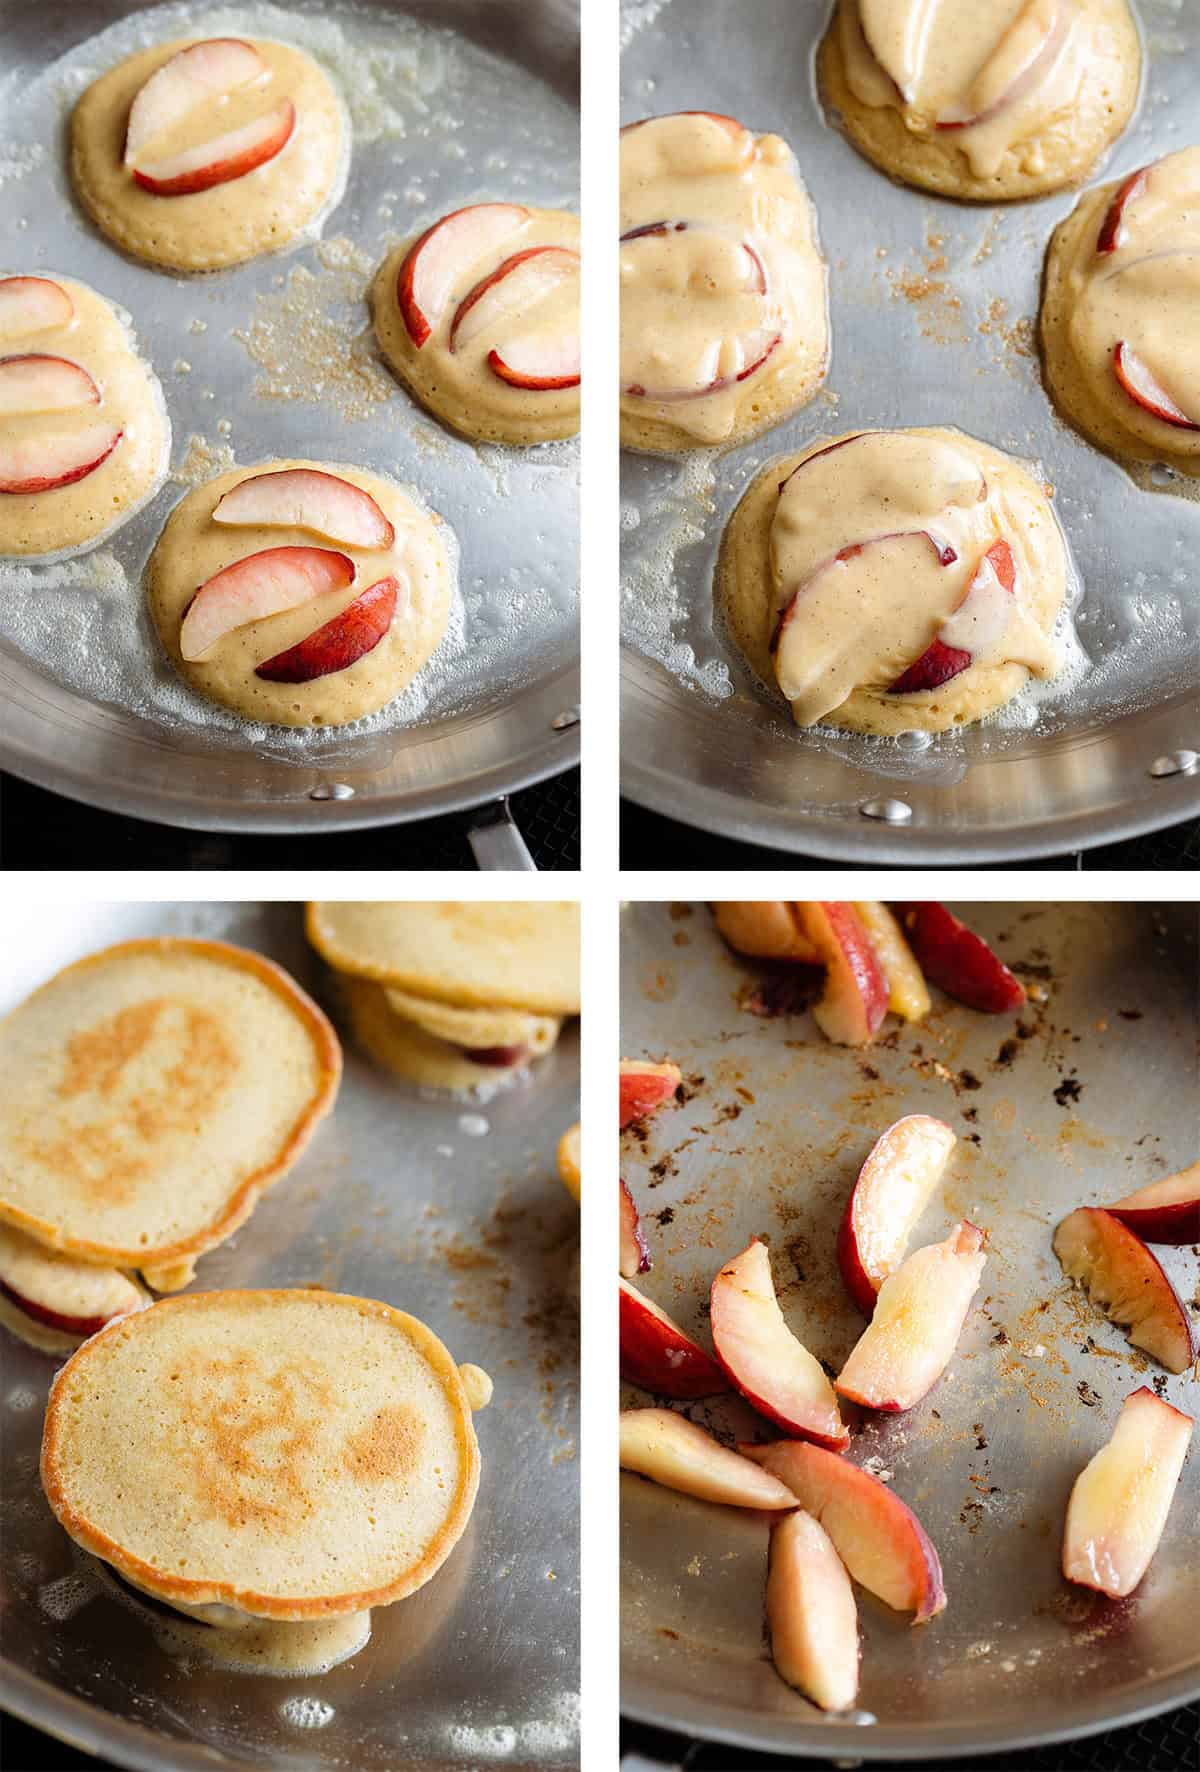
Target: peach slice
<point>259,585</point>
<point>983,613</point>
<point>895,35</point>
<point>902,1169</point>
<point>673,1451</point>
<point>856,992</point>
<point>1146,391</point>
<point>444,253</point>
<point>749,350</point>
<point>1122,1277</point>
<point>40,464</point>
<point>957,960</point>
<point>918,1318</point>
<point>339,644</point>
<point>569,1161</point>
<point>811,1615</point>
<point>644,1087</point>
<point>635,1252</point>
<point>1112,227</point>
<point>307,498</point>
<point>516,285</point>
<point>1121,1499</point>
<point>908,994</point>
<point>878,1537</point>
<point>1021,59</point>
<point>36,383</point>
<point>773,1370</point>
<point>658,1356</point>
<point>32,304</point>
<point>1166,1211</point>
<point>542,362</point>
<point>41,1282</point>
<point>225,157</point>
<point>196,75</point>
<point>769,930</point>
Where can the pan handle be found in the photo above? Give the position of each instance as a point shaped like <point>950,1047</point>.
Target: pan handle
<point>495,841</point>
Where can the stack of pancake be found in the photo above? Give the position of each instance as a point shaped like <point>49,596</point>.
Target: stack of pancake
<point>448,995</point>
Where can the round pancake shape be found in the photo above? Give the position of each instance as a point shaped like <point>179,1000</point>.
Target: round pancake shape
<point>1066,141</point>
<point>153,1091</point>
<point>475,1029</point>
<point>97,339</point>
<point>458,383</point>
<point>472,955</point>
<point>290,1454</point>
<point>206,230</point>
<point>408,1050</point>
<point>193,548</point>
<point>744,591</point>
<point>1154,269</point>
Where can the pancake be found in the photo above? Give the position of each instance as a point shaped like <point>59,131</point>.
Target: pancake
<point>476,1029</point>
<point>467,955</point>
<point>55,1301</point>
<point>405,1047</point>
<point>283,1454</point>
<point>152,1092</point>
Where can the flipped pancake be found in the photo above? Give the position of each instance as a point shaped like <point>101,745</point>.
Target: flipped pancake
<point>55,1301</point>
<point>292,1455</point>
<point>152,1091</point>
<point>476,1029</point>
<point>406,1048</point>
<point>470,955</point>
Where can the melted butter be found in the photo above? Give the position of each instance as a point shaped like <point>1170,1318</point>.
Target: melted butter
<point>999,72</point>
<point>722,285</point>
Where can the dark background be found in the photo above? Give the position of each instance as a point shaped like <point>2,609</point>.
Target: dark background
<point>649,841</point>
<point>44,831</point>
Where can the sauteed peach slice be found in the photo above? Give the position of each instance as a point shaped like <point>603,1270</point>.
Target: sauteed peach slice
<point>811,1615</point>
<point>672,1451</point>
<point>1121,1499</point>
<point>894,1185</point>
<point>657,1355</point>
<point>1122,1277</point>
<point>773,1369</point>
<point>1166,1211</point>
<point>918,1319</point>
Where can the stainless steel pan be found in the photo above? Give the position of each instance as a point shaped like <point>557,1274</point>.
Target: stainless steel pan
<point>451,101</point>
<point>1086,1095</point>
<point>931,304</point>
<point>454,1212</point>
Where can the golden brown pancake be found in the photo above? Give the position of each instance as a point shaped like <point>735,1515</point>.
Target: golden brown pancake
<point>287,1454</point>
<point>404,1045</point>
<point>152,1092</point>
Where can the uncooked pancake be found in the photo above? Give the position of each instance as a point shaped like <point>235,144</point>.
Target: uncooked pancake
<point>152,1092</point>
<point>317,1451</point>
<point>507,371</point>
<point>898,581</point>
<point>227,223</point>
<point>987,102</point>
<point>49,438</point>
<point>406,1048</point>
<point>420,561</point>
<point>471,955</point>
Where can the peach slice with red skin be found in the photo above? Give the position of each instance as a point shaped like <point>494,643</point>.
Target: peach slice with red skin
<point>1166,1211</point>
<point>946,556</point>
<point>767,930</point>
<point>811,1616</point>
<point>856,992</point>
<point>658,1356</point>
<point>543,364</point>
<point>516,284</point>
<point>675,1452</point>
<point>200,73</point>
<point>33,304</point>
<point>225,157</point>
<point>644,1087</point>
<point>43,463</point>
<point>1121,1499</point>
<point>81,1326</point>
<point>261,584</point>
<point>1144,388</point>
<point>773,1370</point>
<point>1122,1277</point>
<point>908,994</point>
<point>307,498</point>
<point>957,960</point>
<point>443,253</point>
<point>940,662</point>
<point>341,642</point>
<point>902,1169</point>
<point>877,1536</point>
<point>1021,58</point>
<point>635,1252</point>
<point>38,383</point>
<point>918,1318</point>
<point>1128,191</point>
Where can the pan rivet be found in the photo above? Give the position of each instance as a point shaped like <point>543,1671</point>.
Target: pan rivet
<point>1175,763</point>
<point>890,811</point>
<point>564,721</point>
<point>332,790</point>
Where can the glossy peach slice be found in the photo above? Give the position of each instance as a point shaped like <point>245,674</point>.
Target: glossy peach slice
<point>894,1186</point>
<point>811,1616</point>
<point>635,1252</point>
<point>644,1087</point>
<point>983,612</point>
<point>37,383</point>
<point>1166,1211</point>
<point>918,1319</point>
<point>1120,1501</point>
<point>673,1451</point>
<point>307,498</point>
<point>1112,227</point>
<point>658,1356</point>
<point>855,1002</point>
<point>957,960</point>
<point>343,640</point>
<point>516,285</point>
<point>1145,390</point>
<point>443,255</point>
<point>1122,1277</point>
<point>43,463</point>
<point>33,304</point>
<point>908,994</point>
<point>773,1370</point>
<point>877,1536</point>
<point>225,157</point>
<point>197,75</point>
<point>261,584</point>
<point>541,362</point>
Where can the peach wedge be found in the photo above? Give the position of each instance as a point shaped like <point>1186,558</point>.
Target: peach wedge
<point>644,1087</point>
<point>902,1169</point>
<point>673,1451</point>
<point>1166,1211</point>
<point>1121,1499</point>
<point>856,990</point>
<point>918,1318</point>
<point>811,1615</point>
<point>1119,1274</point>
<point>656,1354</point>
